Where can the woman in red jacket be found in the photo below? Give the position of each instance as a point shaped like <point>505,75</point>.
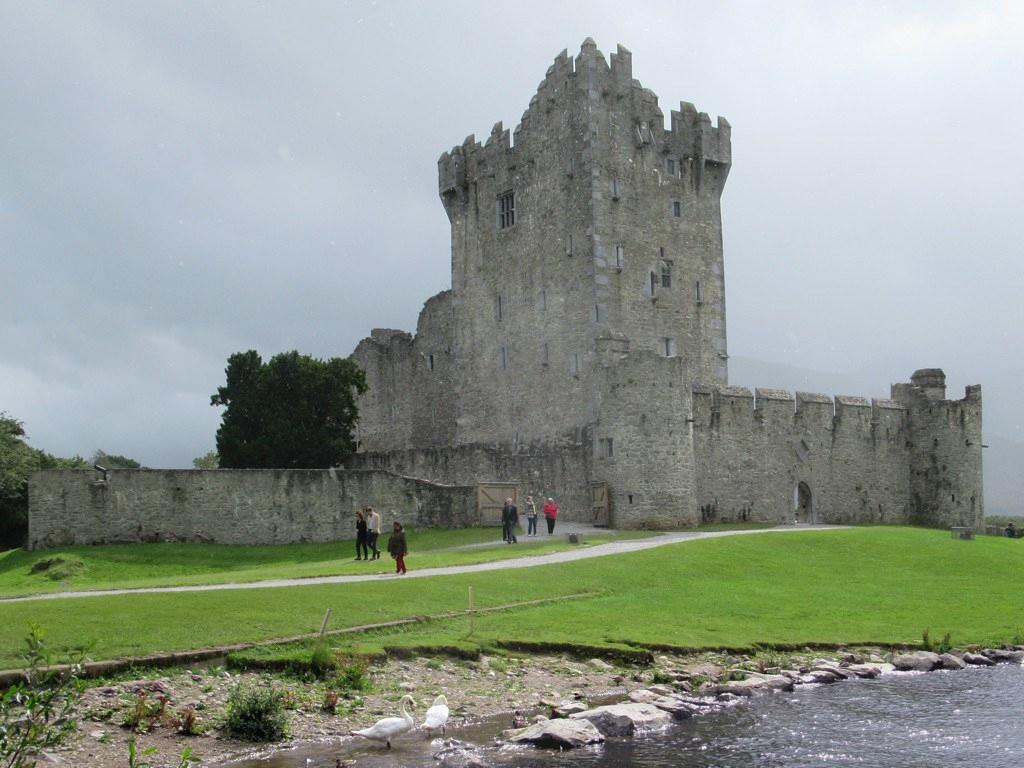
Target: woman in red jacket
<point>550,514</point>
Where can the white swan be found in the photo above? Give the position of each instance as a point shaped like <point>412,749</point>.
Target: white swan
<point>437,715</point>
<point>385,730</point>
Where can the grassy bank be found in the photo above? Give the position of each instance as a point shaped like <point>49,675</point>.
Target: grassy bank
<point>131,566</point>
<point>880,585</point>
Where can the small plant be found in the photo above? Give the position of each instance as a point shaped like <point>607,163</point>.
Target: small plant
<point>143,713</point>
<point>330,703</point>
<point>947,643</point>
<point>926,640</point>
<point>351,676</point>
<point>36,715</point>
<point>1018,637</point>
<point>660,678</point>
<point>289,700</point>
<point>322,662</point>
<point>187,721</point>
<point>135,756</point>
<point>434,664</point>
<point>256,714</point>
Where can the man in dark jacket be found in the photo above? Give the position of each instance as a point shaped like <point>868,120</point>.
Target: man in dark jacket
<point>509,522</point>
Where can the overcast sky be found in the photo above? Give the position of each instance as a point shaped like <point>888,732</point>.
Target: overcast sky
<point>181,181</point>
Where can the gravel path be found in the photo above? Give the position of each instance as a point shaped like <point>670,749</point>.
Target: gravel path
<point>598,550</point>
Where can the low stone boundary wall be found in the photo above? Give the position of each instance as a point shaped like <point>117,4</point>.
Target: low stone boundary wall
<point>231,506</point>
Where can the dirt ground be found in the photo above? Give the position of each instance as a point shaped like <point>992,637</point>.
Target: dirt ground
<point>493,686</point>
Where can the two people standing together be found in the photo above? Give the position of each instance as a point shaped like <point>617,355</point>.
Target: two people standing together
<point>367,533</point>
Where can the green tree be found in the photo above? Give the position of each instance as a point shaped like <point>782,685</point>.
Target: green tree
<point>294,411</point>
<point>208,461</point>
<point>114,461</point>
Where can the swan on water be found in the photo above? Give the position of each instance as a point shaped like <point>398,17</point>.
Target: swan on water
<point>437,715</point>
<point>385,730</point>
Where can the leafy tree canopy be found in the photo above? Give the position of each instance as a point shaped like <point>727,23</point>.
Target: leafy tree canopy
<point>114,461</point>
<point>208,461</point>
<point>294,411</point>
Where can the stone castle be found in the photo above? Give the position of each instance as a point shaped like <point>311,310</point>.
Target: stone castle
<point>581,350</point>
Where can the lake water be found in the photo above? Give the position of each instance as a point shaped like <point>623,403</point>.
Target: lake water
<point>968,719</point>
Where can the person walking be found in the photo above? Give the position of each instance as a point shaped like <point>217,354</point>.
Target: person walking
<point>509,522</point>
<point>373,531</point>
<point>531,517</point>
<point>397,547</point>
<point>362,553</point>
<point>550,514</point>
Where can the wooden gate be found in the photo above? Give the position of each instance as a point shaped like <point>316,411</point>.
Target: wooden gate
<point>600,513</point>
<point>490,498</point>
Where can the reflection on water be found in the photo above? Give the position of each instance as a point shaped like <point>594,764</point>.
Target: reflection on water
<point>967,719</point>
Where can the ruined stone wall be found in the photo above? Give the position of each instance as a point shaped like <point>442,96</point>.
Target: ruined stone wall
<point>562,471</point>
<point>751,455</point>
<point>229,506</point>
<point>410,397</point>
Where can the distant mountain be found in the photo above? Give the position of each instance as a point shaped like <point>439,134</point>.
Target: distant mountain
<point>1004,457</point>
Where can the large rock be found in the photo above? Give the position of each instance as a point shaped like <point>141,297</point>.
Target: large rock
<point>1000,655</point>
<point>949,661</point>
<point>563,734</point>
<point>918,661</point>
<point>458,756</point>
<point>868,671</point>
<point>978,660</point>
<point>754,684</point>
<point>624,719</point>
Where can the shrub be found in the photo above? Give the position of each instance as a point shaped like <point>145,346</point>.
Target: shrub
<point>187,721</point>
<point>322,662</point>
<point>351,676</point>
<point>256,714</point>
<point>947,643</point>
<point>926,639</point>
<point>36,715</point>
<point>144,714</point>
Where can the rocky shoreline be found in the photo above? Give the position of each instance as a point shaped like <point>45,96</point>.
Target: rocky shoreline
<point>546,700</point>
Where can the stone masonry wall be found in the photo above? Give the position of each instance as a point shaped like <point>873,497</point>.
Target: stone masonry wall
<point>562,472</point>
<point>230,506</point>
<point>852,455</point>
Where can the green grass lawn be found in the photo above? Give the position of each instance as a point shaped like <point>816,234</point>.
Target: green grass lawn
<point>130,566</point>
<point>880,585</point>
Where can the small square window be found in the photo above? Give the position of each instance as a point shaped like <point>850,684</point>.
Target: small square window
<point>677,208</point>
<point>670,166</point>
<point>668,347</point>
<point>620,256</point>
<point>544,354</point>
<point>615,188</point>
<point>605,447</point>
<point>499,308</point>
<point>506,210</point>
<point>698,293</point>
<point>430,362</point>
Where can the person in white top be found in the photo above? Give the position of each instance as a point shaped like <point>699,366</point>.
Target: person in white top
<point>373,531</point>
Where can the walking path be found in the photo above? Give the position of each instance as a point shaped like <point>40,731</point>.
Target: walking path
<point>598,550</point>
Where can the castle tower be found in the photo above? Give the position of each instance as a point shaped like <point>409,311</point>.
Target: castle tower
<point>945,451</point>
<point>590,236</point>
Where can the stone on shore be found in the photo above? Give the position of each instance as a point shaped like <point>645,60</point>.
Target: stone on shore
<point>624,719</point>
<point>562,734</point>
<point>868,671</point>
<point>949,661</point>
<point>755,683</point>
<point>1002,656</point>
<point>978,660</point>
<point>918,661</point>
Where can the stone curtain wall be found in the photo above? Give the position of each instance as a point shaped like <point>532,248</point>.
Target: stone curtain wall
<point>231,506</point>
<point>751,455</point>
<point>558,470</point>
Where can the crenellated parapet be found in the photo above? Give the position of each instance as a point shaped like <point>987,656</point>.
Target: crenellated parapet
<point>583,88</point>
